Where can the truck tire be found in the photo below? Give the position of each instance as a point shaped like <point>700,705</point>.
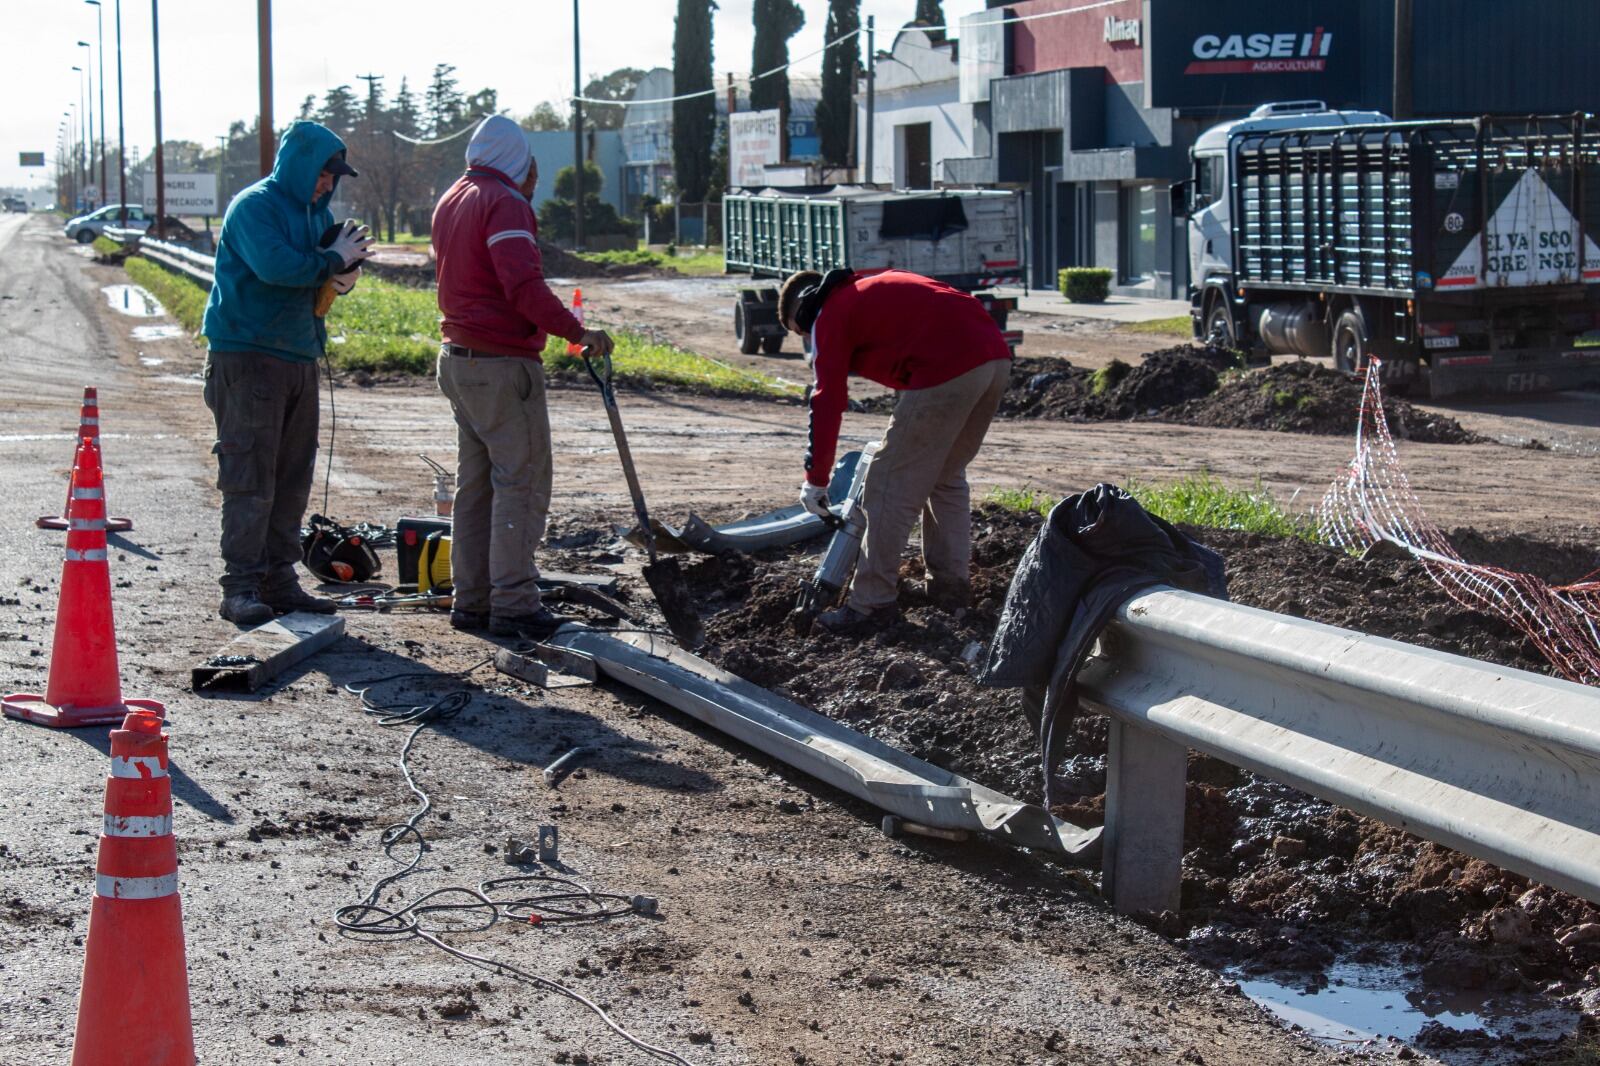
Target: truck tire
<point>772,345</point>
<point>748,341</point>
<point>1219,323</point>
<point>1350,343</point>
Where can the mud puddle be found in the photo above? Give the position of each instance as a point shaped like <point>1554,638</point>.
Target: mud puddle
<point>132,300</point>
<point>1367,1003</point>
<point>156,333</point>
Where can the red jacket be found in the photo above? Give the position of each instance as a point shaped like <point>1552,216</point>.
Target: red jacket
<point>492,291</point>
<point>899,329</point>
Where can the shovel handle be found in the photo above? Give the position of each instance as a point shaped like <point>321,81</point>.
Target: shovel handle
<point>608,396</point>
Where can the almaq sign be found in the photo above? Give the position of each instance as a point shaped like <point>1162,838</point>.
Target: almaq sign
<point>1261,53</point>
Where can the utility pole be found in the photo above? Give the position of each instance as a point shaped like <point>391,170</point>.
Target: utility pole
<point>122,152</point>
<point>161,168</point>
<point>264,61</point>
<point>872,62</point>
<point>1403,107</point>
<point>577,136</point>
<point>89,112</point>
<point>100,23</point>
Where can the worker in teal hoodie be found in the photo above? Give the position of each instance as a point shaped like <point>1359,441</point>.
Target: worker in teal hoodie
<point>265,332</point>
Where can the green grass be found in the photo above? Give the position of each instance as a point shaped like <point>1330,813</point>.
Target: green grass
<point>1177,326</point>
<point>184,299</point>
<point>640,361</point>
<point>106,247</point>
<point>1108,377</point>
<point>1196,500</point>
<point>701,264</point>
<point>410,239</point>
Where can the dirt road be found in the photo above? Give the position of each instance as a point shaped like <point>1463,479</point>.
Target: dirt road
<point>791,930</point>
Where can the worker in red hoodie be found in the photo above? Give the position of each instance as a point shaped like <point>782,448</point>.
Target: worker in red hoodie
<point>943,353</point>
<point>498,312</point>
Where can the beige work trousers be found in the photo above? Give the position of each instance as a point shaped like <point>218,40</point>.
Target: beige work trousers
<point>503,476</point>
<point>921,469</point>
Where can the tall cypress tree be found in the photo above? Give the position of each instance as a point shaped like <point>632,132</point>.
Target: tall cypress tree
<point>775,22</point>
<point>840,65</point>
<point>693,121</point>
<point>931,13</point>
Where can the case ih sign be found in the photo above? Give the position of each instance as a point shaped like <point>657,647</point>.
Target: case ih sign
<point>1243,52</point>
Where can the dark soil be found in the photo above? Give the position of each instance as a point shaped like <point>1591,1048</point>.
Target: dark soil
<point>1202,387</point>
<point>558,263</point>
<point>1274,879</point>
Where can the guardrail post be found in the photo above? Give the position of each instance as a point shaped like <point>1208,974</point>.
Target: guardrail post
<point>1145,778</point>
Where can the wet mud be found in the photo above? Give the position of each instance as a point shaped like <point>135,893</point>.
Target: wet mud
<point>1273,879</point>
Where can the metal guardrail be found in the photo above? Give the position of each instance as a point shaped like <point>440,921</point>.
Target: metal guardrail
<point>1498,763</point>
<point>191,264</point>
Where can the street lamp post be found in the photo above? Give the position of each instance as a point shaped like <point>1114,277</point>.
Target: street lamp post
<point>89,111</point>
<point>100,24</point>
<point>161,169</point>
<point>122,152</point>
<point>82,111</point>
<point>72,171</point>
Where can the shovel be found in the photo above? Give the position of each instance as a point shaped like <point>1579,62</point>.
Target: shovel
<point>664,577</point>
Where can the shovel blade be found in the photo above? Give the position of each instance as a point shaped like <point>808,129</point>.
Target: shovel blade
<point>671,590</point>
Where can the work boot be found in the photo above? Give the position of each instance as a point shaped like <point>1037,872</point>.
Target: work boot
<point>949,595</point>
<point>540,625</point>
<point>293,598</point>
<point>847,621</point>
<point>469,620</point>
<point>244,609</point>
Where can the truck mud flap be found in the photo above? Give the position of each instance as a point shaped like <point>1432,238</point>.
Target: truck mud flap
<point>775,529</point>
<point>868,769</point>
<point>1504,375</point>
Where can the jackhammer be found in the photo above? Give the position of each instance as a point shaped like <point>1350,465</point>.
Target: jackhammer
<point>848,522</point>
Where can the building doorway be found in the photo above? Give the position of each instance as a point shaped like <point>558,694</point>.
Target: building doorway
<point>916,156</point>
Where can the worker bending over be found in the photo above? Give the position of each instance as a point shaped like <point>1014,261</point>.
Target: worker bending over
<point>498,312</point>
<point>945,356</point>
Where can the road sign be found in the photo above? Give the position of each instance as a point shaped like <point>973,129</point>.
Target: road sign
<point>754,140</point>
<point>187,194</point>
<point>30,159</point>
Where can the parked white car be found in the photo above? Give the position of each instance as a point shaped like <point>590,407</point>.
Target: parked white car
<point>86,228</point>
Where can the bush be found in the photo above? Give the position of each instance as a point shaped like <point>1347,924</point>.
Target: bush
<point>1085,285</point>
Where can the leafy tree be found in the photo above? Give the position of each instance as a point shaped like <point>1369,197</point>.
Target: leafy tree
<point>545,118</point>
<point>840,65</point>
<point>775,22</point>
<point>593,180</point>
<point>339,110</point>
<point>442,103</point>
<point>618,85</point>
<point>931,13</point>
<point>694,120</point>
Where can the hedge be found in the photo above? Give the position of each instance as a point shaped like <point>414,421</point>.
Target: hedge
<point>1085,285</point>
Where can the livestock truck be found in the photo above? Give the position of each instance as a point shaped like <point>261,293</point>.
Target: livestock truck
<point>971,239</point>
<point>1460,253</point>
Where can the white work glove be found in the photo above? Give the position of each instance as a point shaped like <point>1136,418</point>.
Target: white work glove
<point>343,283</point>
<point>352,245</point>
<point>814,498</point>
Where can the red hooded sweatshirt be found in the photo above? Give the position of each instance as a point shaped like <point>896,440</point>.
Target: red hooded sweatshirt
<point>492,291</point>
<point>899,329</point>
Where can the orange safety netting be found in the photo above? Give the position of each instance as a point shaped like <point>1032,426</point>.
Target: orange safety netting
<point>1374,502</point>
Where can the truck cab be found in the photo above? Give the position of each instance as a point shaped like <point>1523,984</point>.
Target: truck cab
<point>1204,199</point>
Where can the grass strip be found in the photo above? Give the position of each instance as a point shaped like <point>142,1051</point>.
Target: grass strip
<point>701,264</point>
<point>182,298</point>
<point>1197,500</point>
<point>1176,326</point>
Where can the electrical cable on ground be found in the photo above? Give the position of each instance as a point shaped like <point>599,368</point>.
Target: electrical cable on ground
<point>566,900</point>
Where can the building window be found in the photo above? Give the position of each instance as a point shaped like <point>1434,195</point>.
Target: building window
<point>1138,225</point>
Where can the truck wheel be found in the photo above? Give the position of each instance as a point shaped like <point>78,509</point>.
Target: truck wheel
<point>1219,325</point>
<point>748,341</point>
<point>772,345</point>
<point>1350,343</point>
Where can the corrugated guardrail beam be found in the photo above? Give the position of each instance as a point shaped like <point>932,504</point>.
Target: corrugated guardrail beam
<point>1501,764</point>
<point>191,264</point>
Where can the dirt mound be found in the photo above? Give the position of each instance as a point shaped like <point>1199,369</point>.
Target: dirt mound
<point>1302,397</point>
<point>1273,877</point>
<point>1204,387</point>
<point>413,275</point>
<point>558,263</point>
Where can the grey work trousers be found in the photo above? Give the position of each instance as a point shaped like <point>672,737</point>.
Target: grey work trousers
<point>503,477</point>
<point>266,449</point>
<point>921,469</point>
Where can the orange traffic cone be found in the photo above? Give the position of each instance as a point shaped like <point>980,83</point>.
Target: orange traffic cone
<point>134,1004</point>
<point>84,687</point>
<point>577,313</point>
<point>88,429</point>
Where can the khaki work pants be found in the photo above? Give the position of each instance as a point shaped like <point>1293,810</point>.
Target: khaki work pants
<point>266,448</point>
<point>503,475</point>
<point>921,469</point>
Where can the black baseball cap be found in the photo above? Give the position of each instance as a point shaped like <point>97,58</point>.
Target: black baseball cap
<point>337,165</point>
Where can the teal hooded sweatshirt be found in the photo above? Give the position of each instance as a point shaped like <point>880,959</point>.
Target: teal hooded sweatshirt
<point>269,267</point>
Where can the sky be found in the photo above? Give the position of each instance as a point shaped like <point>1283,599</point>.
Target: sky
<point>208,56</point>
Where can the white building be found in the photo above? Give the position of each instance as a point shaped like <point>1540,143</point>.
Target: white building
<point>919,119</point>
